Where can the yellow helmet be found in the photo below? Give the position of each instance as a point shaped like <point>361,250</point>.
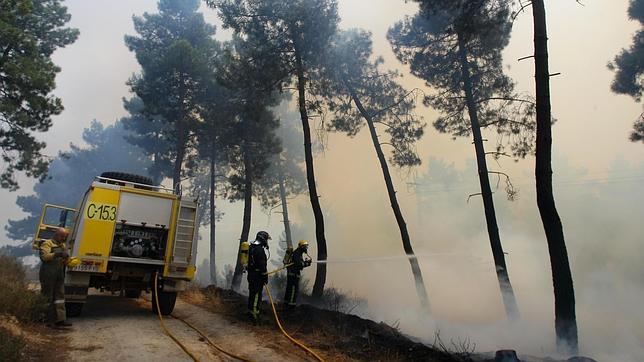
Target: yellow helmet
<point>302,243</point>
<point>73,261</point>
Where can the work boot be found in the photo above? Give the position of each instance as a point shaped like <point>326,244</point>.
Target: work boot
<point>63,324</point>
<point>252,318</point>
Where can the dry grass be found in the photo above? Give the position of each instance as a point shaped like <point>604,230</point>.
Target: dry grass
<point>334,335</point>
<point>210,297</point>
<point>20,307</point>
<point>16,299</point>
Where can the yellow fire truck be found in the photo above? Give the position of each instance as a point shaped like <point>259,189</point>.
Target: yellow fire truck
<point>126,232</point>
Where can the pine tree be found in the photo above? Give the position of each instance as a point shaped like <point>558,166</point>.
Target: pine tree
<point>293,36</point>
<point>565,314</point>
<point>31,30</point>
<point>455,46</point>
<point>174,49</point>
<point>251,141</point>
<point>360,93</point>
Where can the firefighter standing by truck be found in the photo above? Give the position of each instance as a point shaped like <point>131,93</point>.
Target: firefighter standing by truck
<point>296,262</point>
<point>53,254</point>
<point>257,276</point>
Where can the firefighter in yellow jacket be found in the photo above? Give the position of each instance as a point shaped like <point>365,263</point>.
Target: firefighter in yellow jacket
<point>54,255</point>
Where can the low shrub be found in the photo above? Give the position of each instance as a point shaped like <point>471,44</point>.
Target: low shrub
<point>16,299</point>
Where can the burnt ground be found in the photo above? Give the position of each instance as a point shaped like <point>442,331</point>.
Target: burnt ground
<point>335,335</point>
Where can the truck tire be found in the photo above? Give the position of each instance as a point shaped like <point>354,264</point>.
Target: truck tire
<point>73,309</point>
<point>166,302</point>
<point>128,177</point>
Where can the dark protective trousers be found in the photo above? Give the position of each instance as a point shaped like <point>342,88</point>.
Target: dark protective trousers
<point>292,288</point>
<point>52,287</point>
<point>255,285</point>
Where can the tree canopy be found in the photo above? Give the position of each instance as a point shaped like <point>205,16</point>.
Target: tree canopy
<point>30,32</point>
<point>174,49</point>
<point>628,66</point>
<point>351,72</point>
<point>431,41</point>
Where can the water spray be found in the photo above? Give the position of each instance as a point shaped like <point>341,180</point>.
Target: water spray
<point>380,258</point>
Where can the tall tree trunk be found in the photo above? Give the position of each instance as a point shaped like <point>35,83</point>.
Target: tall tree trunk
<point>213,189</point>
<point>565,319</point>
<point>507,293</point>
<point>287,225</point>
<point>248,201</point>
<point>320,276</point>
<point>393,200</point>
<point>180,149</point>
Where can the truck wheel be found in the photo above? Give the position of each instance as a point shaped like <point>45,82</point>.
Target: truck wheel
<point>132,293</point>
<point>73,309</point>
<point>166,302</point>
<point>122,176</point>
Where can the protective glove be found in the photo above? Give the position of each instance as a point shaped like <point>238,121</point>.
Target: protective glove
<point>265,279</point>
<point>307,262</point>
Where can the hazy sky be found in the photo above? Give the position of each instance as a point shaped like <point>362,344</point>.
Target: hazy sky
<point>590,136</point>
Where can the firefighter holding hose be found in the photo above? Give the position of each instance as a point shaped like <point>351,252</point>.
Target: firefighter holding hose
<point>296,261</point>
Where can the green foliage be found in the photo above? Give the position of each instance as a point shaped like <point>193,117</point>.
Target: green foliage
<point>71,173</point>
<point>148,134</point>
<point>30,31</point>
<point>249,138</point>
<point>16,300</point>
<point>286,166</point>
<point>352,73</point>
<point>431,43</point>
<point>629,64</point>
<point>638,130</point>
<point>283,24</point>
<point>282,32</point>
<point>174,49</point>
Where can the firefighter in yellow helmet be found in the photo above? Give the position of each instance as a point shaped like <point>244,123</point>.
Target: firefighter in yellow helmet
<point>298,262</point>
<point>54,255</point>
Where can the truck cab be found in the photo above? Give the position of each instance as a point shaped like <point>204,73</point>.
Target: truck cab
<point>127,232</point>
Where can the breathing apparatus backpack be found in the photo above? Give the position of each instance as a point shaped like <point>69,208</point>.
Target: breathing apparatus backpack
<point>288,256</point>
<point>243,254</point>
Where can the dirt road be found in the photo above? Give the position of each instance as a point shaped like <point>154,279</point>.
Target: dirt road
<point>113,328</point>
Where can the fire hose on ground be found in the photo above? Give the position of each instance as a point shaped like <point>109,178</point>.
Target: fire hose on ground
<point>279,324</point>
<point>185,349</point>
<point>194,358</point>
